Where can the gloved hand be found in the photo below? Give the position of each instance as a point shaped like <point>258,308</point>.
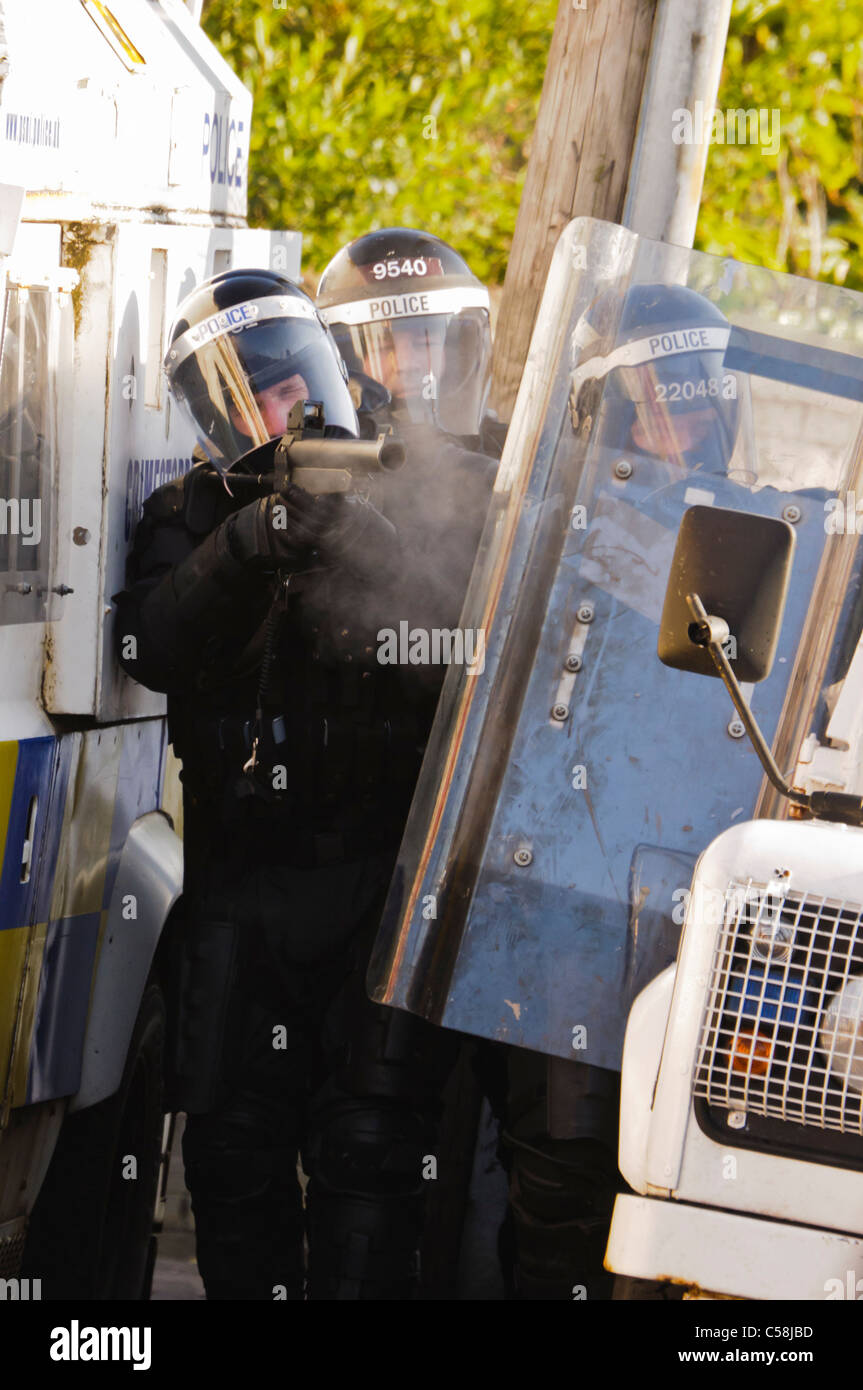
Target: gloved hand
<point>361,540</point>
<point>280,531</point>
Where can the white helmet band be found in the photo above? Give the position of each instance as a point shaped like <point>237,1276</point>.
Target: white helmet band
<point>635,354</point>
<point>409,304</point>
<point>233,320</point>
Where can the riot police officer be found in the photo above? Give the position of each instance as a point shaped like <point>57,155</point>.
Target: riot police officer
<point>407,312</point>
<point>258,613</point>
<point>663,414</point>
<point>412,323</point>
<point>409,315</point>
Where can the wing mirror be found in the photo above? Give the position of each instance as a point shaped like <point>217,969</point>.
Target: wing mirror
<point>739,565</point>
<point>722,615</point>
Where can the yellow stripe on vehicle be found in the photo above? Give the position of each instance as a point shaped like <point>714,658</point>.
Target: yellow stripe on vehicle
<point>13,944</point>
<point>21,1061</point>
<point>13,951</point>
<point>8,764</point>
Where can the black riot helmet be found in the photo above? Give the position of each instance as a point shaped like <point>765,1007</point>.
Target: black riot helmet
<point>649,375</point>
<point>244,347</point>
<point>406,311</point>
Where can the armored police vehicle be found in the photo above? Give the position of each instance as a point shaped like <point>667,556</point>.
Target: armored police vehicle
<point>123,160</point>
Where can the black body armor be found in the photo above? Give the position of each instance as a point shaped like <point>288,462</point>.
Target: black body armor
<point>300,752</point>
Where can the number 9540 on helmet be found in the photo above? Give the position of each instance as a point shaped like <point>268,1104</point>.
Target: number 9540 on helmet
<point>406,311</point>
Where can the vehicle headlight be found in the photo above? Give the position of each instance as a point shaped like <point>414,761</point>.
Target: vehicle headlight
<point>841,1034</point>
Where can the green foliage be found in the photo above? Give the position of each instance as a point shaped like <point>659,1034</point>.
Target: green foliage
<point>420,113</point>
<point>389,112</point>
<point>799,210</point>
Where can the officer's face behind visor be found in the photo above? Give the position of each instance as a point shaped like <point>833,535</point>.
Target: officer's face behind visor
<point>274,404</point>
<point>670,432</point>
<point>238,385</point>
<point>681,409</point>
<point>435,365</point>
<point>406,356</point>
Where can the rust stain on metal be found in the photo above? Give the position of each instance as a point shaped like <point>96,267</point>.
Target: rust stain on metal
<point>79,241</point>
<point>695,1291</point>
<point>49,671</point>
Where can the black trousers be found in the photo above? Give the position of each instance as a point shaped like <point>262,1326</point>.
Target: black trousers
<point>307,1065</point>
<point>558,1123</point>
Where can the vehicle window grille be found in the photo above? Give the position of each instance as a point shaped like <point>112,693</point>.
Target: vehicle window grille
<point>782,1034</point>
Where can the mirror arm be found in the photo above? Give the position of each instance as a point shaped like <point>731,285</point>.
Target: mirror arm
<point>711,633</point>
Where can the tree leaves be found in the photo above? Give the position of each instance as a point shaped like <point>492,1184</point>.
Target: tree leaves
<point>420,113</point>
<point>800,209</point>
<point>405,113</point>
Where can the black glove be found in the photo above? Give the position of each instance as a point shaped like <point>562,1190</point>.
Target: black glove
<point>280,531</point>
<point>287,529</point>
<point>361,540</point>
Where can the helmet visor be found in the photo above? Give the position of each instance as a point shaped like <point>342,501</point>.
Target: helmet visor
<point>680,411</point>
<point>434,364</point>
<point>671,402</point>
<point>405,356</point>
<point>237,379</point>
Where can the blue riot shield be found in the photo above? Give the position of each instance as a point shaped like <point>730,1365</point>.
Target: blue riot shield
<point>571,783</point>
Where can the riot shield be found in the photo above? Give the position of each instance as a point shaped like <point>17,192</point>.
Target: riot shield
<point>571,783</point>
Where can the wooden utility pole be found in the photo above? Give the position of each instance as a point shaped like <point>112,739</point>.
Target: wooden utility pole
<point>579,160</point>
<point>619,74</point>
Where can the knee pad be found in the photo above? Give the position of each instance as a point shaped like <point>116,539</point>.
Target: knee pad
<point>246,1200</point>
<point>561,1198</point>
<point>376,1116</point>
<point>242,1146</point>
<point>392,1055</point>
<point>362,1146</point>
